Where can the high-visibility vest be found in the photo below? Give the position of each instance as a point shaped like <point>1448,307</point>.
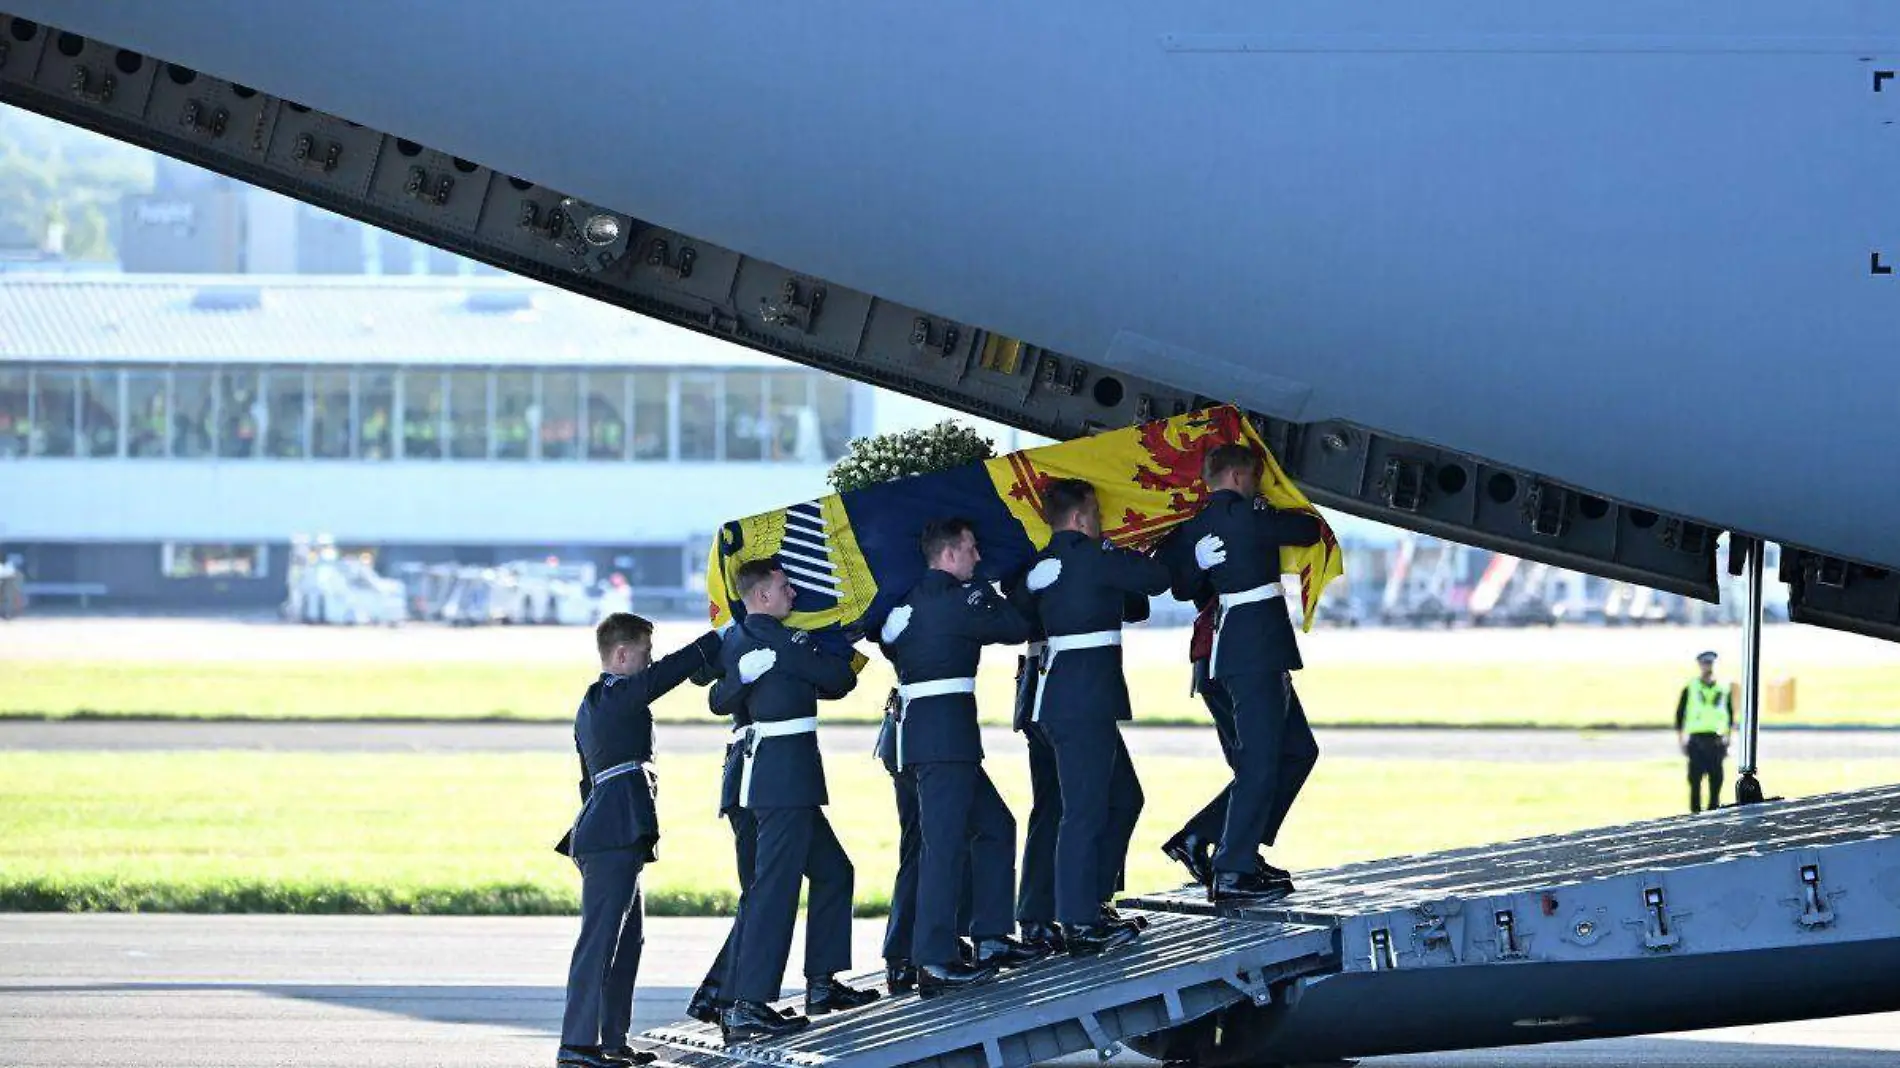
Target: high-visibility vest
<point>1706,709</point>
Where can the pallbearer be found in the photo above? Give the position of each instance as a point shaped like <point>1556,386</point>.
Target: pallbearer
<point>935,639</point>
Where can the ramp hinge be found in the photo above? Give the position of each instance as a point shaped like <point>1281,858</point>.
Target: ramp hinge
<point>1659,935</point>
<point>1252,985</point>
<point>197,120</point>
<point>1383,959</point>
<point>1507,936</point>
<point>1105,1047</point>
<point>1815,911</point>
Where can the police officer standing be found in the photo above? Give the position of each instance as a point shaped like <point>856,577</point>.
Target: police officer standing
<point>1081,584</point>
<point>1236,538</point>
<point>1705,714</point>
<point>935,639</point>
<point>615,833</point>
<point>779,676</point>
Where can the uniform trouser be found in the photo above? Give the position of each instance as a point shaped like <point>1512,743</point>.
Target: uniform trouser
<point>1705,761</point>
<point>745,846</point>
<point>1125,802</point>
<point>902,921</point>
<point>1101,801</point>
<point>794,844</point>
<point>1270,760</point>
<point>607,954</point>
<point>968,834</point>
<point>1299,751</point>
<point>1036,898</point>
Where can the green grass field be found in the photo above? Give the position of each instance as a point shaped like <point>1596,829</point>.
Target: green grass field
<point>1470,693</point>
<point>269,832</point>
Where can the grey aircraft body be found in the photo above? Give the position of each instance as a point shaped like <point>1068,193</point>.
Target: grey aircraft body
<point>1637,249</point>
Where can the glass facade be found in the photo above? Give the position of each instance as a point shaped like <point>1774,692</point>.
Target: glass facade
<point>380,414</point>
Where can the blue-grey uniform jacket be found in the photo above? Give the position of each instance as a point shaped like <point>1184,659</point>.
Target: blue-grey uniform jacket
<point>1097,588</point>
<point>937,633</point>
<point>1257,635</point>
<point>613,734</point>
<point>786,770</point>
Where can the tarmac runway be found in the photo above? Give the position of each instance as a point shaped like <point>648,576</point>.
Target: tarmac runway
<point>1356,743</point>
<point>118,991</point>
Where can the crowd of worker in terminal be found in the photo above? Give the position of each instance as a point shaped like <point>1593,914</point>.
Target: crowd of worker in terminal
<point>959,913</point>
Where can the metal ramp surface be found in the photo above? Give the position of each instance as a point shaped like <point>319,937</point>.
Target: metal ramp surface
<point>1551,862</point>
<point>1182,969</point>
<point>1745,915</point>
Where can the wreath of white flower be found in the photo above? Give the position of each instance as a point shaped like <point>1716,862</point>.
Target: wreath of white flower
<point>869,461</point>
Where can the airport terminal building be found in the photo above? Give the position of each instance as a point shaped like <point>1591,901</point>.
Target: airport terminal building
<point>164,437</point>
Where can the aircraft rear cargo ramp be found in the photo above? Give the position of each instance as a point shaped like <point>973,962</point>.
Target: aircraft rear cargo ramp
<point>1770,912</point>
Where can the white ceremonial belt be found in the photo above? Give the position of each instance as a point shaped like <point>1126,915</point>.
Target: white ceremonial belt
<point>1062,643</point>
<point>769,729</point>
<point>1255,595</point>
<point>781,728</point>
<point>1036,648</point>
<point>618,770</point>
<point>1057,643</point>
<point>915,691</point>
<point>1231,601</point>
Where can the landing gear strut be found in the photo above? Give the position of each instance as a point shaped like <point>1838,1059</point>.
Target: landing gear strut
<point>1748,788</point>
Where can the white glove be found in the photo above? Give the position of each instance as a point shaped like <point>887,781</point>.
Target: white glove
<point>896,623</point>
<point>727,625</point>
<point>756,663</point>
<point>1044,575</point>
<point>1209,551</point>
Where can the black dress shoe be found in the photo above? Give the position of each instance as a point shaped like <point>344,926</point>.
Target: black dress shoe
<point>582,1057</point>
<point>1043,935</point>
<point>965,951</point>
<point>1245,886</point>
<point>1008,953</point>
<point>1113,918</point>
<point>628,1055</point>
<point>755,1019</point>
<point>1191,853</point>
<point>900,976</point>
<point>705,1004</point>
<point>1262,868</point>
<point>934,979</point>
<point>1099,938</point>
<point>830,995</point>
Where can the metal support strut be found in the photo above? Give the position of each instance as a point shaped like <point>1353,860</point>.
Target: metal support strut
<point>1747,788</point>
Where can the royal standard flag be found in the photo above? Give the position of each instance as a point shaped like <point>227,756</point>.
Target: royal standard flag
<point>852,556</point>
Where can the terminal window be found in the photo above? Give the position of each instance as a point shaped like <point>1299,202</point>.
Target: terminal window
<point>376,414</point>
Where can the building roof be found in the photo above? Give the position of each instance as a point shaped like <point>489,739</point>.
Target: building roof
<point>396,319</point>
